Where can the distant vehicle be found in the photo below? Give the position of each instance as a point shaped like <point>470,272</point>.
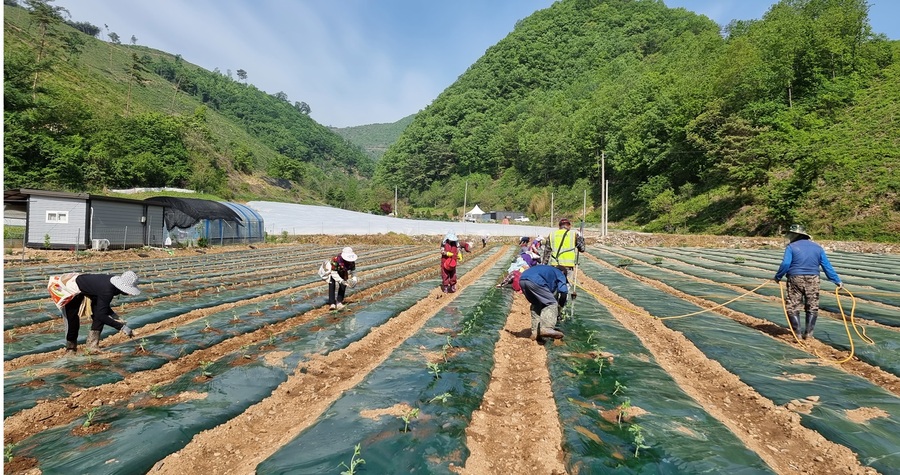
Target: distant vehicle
<point>522,219</point>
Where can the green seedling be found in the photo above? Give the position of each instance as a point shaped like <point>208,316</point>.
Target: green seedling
<point>276,302</point>
<point>31,373</point>
<point>591,335</point>
<point>623,411</point>
<point>441,397</point>
<point>354,462</point>
<point>245,351</point>
<point>156,391</point>
<point>738,260</point>
<point>637,436</point>
<point>234,316</point>
<point>204,369</point>
<point>206,321</point>
<point>657,260</point>
<point>175,333</point>
<point>272,339</point>
<point>624,262</point>
<point>412,414</point>
<point>90,417</point>
<point>7,452</point>
<point>600,361</point>
<point>434,369</point>
<point>619,388</point>
<point>142,343</point>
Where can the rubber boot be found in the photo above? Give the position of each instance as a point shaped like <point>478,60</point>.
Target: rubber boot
<point>811,318</point>
<point>794,318</point>
<point>71,348</point>
<point>93,341</point>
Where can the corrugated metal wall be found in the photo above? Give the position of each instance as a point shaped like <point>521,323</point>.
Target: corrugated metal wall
<point>61,235</point>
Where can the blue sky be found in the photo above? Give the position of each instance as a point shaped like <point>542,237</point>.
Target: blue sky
<point>354,62</point>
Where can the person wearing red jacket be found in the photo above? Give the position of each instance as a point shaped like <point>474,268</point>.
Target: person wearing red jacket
<point>451,255</point>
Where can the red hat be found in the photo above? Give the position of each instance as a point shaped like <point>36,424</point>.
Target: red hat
<point>564,222</point>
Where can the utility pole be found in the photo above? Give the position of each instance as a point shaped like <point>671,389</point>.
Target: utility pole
<point>603,194</point>
<point>551,212</point>
<point>396,214</point>
<point>465,201</point>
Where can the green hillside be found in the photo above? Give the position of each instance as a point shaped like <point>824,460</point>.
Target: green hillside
<point>85,114</point>
<point>789,118</point>
<point>375,138</point>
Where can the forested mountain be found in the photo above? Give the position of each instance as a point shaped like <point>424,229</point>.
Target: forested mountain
<point>374,138</point>
<point>789,118</point>
<point>85,114</point>
<point>741,130</point>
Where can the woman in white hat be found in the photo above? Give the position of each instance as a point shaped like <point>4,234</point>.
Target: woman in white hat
<point>100,289</point>
<point>339,273</point>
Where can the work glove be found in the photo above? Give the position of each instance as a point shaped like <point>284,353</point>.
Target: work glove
<point>127,331</point>
<point>573,295</point>
<point>777,280</point>
<point>840,286</point>
<point>352,282</point>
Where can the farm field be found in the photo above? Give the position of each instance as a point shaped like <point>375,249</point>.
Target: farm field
<point>675,360</point>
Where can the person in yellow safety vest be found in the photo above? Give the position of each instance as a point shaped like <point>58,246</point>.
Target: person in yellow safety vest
<point>561,245</point>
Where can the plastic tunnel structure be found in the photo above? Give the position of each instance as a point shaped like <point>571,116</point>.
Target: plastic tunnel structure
<point>188,220</point>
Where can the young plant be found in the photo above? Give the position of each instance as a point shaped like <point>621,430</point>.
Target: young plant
<point>441,397</point>
<point>175,333</point>
<point>624,262</point>
<point>354,462</point>
<point>142,343</point>
<point>204,369</point>
<point>600,361</point>
<point>657,260</point>
<point>234,316</point>
<point>156,391</point>
<point>412,414</point>
<point>738,260</point>
<point>637,436</point>
<point>591,336</point>
<point>90,417</point>
<point>245,351</point>
<point>206,321</point>
<point>434,369</point>
<point>623,411</point>
<point>7,452</point>
<point>619,388</point>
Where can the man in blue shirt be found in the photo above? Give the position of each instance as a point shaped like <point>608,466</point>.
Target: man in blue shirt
<point>802,259</point>
<point>546,289</point>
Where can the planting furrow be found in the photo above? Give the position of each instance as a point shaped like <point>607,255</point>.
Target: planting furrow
<point>314,387</point>
<point>621,410</point>
<point>55,413</point>
<point>153,350</point>
<point>784,374</point>
<point>831,331</point>
<point>411,410</point>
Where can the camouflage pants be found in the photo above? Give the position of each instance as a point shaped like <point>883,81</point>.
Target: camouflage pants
<point>803,289</point>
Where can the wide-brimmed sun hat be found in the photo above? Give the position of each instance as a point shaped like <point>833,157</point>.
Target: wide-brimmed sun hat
<point>348,255</point>
<point>797,230</point>
<point>451,236</point>
<point>127,282</point>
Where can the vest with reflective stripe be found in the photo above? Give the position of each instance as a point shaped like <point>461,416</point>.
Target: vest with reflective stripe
<point>562,249</point>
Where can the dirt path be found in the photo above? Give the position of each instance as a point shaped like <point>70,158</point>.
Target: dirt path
<point>516,429</point>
